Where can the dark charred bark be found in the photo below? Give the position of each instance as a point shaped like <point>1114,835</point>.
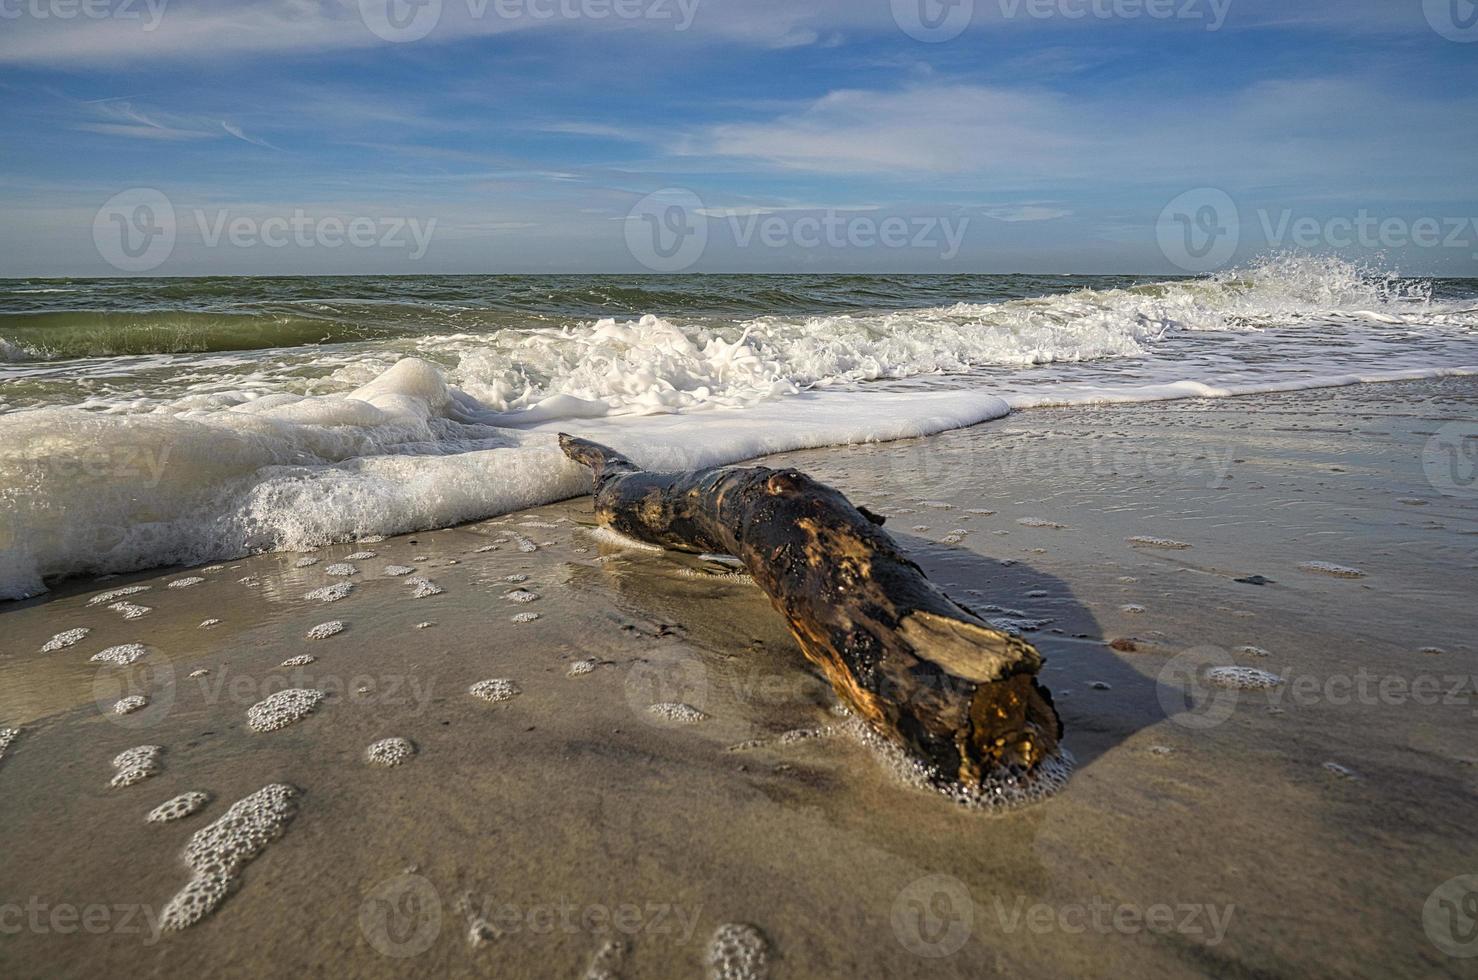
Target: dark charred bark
<point>921,669</point>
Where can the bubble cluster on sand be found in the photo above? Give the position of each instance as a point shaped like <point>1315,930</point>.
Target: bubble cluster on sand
<point>515,578</point>
<point>130,704</point>
<point>1242,678</point>
<point>582,667</point>
<point>1000,792</point>
<point>485,549</point>
<point>66,638</point>
<point>250,581</point>
<point>185,583</point>
<point>7,737</point>
<point>525,617</point>
<point>1252,651</point>
<point>397,570</point>
<point>495,690</point>
<point>282,709</point>
<point>331,593</point>
<point>524,544</point>
<point>122,655</point>
<point>217,853</point>
<point>1330,568</point>
<point>178,808</point>
<point>206,624</point>
<point>424,626</point>
<point>199,672</point>
<point>1165,544</point>
<point>308,562</point>
<point>1343,772</point>
<point>117,594</point>
<point>390,751</point>
<point>738,951</point>
<point>421,588</point>
<point>676,711</point>
<point>325,630</point>
<point>301,660</point>
<point>341,569</point>
<point>1161,750</point>
<point>371,539</point>
<point>136,764</point>
<point>521,595</point>
<point>361,556</point>
<point>129,610</point>
<point>1039,522</point>
<point>1132,608</point>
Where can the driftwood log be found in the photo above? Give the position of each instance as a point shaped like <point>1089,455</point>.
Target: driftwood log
<point>924,671</point>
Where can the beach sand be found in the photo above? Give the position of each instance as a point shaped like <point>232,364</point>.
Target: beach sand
<point>1297,831</point>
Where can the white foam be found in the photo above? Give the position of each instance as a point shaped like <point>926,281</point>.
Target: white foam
<point>495,690</point>
<point>331,593</point>
<point>136,764</point>
<point>325,630</point>
<point>206,624</point>
<point>129,610</point>
<point>521,596</point>
<point>122,654</point>
<point>1242,678</point>
<point>396,570</point>
<point>116,594</point>
<point>65,639</point>
<point>415,446</point>
<point>738,951</point>
<point>674,711</point>
<point>422,588</point>
<point>360,556</point>
<point>130,704</point>
<point>282,709</point>
<point>7,737</point>
<point>1164,544</point>
<point>306,562</point>
<point>186,582</point>
<point>301,660</point>
<point>582,667</point>
<point>178,808</point>
<point>1331,569</point>
<point>218,853</point>
<point>341,569</point>
<point>390,751</point>
<point>525,617</point>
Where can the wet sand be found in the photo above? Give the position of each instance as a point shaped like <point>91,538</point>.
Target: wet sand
<point>1302,830</point>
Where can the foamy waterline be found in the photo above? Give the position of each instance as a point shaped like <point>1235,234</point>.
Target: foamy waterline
<point>125,484</point>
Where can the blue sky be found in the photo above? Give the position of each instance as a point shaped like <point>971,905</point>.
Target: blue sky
<point>715,135</point>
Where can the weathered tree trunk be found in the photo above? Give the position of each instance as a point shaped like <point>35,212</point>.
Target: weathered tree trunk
<point>922,670</point>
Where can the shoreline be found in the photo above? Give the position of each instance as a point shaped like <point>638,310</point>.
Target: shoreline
<point>572,793</point>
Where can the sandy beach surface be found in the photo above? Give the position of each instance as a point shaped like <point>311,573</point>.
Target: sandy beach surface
<point>1316,821</point>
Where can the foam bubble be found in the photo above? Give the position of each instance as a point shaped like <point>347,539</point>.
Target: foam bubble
<point>136,764</point>
<point>1039,522</point>
<point>521,595</point>
<point>1330,568</point>
<point>185,583</point>
<point>515,578</point>
<point>396,570</point>
<point>1164,544</point>
<point>1253,651</point>
<point>117,594</point>
<point>200,672</point>
<point>424,626</point>
<point>524,544</point>
<point>1343,772</point>
<point>206,624</point>
<point>325,630</point>
<point>525,617</point>
<point>390,751</point>
<point>122,655</point>
<point>582,667</point>
<point>178,808</point>
<point>282,709</point>
<point>1242,678</point>
<point>130,704</point>
<point>218,853</point>
<point>738,951</point>
<point>1132,608</point>
<point>301,660</point>
<point>341,570</point>
<point>7,737</point>
<point>65,639</point>
<point>495,690</point>
<point>129,610</point>
<point>360,556</point>
<point>306,562</point>
<point>421,588</point>
<point>674,711</point>
<point>331,593</point>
